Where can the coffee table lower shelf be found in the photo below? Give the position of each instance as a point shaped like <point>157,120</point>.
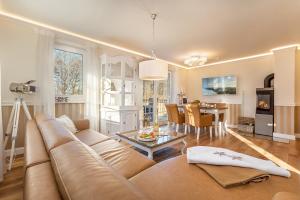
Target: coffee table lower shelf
<point>151,150</point>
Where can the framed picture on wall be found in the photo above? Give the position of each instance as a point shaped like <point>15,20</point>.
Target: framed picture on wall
<point>219,85</point>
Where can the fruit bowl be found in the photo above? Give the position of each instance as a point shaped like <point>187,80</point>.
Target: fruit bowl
<point>146,136</point>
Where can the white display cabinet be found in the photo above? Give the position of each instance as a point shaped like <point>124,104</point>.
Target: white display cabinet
<point>119,110</point>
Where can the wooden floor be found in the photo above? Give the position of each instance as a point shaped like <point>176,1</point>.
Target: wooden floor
<point>12,186</point>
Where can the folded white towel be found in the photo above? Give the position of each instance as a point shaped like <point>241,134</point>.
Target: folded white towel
<point>221,156</point>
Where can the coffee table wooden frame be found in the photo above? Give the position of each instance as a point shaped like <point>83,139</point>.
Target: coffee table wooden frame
<point>151,150</point>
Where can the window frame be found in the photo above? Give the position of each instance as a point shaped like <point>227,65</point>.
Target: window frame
<point>76,50</point>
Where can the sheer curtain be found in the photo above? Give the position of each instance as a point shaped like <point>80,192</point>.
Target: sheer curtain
<point>92,104</point>
<point>2,160</point>
<point>45,70</point>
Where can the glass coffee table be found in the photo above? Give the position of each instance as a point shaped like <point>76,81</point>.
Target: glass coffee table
<point>164,139</point>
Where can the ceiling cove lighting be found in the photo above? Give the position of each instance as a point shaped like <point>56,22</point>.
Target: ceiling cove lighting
<point>60,30</point>
<point>70,33</point>
<point>249,57</point>
<point>153,69</point>
<point>234,60</point>
<point>286,47</point>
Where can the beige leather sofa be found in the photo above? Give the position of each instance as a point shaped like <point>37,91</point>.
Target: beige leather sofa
<point>87,165</point>
<point>90,165</point>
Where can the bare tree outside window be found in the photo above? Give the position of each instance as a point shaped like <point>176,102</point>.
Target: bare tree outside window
<point>68,73</point>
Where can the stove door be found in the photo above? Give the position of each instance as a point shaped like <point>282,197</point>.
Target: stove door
<point>264,124</point>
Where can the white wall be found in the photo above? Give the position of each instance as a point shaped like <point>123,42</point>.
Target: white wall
<point>285,69</point>
<point>17,55</point>
<point>178,82</point>
<point>250,75</point>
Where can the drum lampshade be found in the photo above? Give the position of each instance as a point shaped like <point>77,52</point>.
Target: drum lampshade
<point>153,70</point>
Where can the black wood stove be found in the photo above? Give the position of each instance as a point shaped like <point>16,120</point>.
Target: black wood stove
<point>264,118</point>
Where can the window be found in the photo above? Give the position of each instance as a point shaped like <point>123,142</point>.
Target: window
<point>68,73</point>
<point>160,90</point>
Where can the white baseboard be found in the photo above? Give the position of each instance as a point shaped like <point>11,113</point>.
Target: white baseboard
<point>284,136</point>
<point>18,151</point>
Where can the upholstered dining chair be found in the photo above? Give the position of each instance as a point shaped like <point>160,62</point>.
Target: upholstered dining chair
<point>201,120</point>
<point>175,116</point>
<point>170,120</point>
<point>196,102</point>
<point>189,118</point>
<point>221,116</point>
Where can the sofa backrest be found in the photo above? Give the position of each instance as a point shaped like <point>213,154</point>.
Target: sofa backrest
<point>40,117</point>
<point>40,180</point>
<point>54,134</point>
<point>35,151</point>
<point>82,174</point>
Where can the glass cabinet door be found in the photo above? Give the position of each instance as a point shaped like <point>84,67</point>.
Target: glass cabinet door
<point>129,71</point>
<point>129,100</point>
<point>112,85</point>
<point>118,82</point>
<point>115,69</point>
<point>129,86</point>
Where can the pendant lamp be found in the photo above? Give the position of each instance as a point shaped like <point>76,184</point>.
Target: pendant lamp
<point>153,69</point>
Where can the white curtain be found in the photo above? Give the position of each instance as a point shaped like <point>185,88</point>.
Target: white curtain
<point>2,160</point>
<point>92,104</point>
<point>45,71</point>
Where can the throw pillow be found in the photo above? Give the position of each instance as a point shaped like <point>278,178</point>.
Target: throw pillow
<point>67,123</point>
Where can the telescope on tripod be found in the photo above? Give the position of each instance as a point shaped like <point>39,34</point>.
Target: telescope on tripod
<point>12,128</point>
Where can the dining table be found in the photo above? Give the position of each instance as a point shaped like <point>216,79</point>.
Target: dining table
<point>219,128</point>
<point>215,110</point>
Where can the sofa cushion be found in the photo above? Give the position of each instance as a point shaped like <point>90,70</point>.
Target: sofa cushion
<point>82,176</point>
<point>55,134</point>
<point>123,159</point>
<point>35,151</point>
<point>40,183</point>
<point>91,137</point>
<point>176,179</point>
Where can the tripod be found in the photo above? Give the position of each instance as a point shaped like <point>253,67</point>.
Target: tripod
<point>13,123</point>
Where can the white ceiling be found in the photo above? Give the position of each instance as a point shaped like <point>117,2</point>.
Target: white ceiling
<point>221,29</point>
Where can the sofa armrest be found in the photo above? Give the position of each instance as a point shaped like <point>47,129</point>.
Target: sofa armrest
<point>82,124</point>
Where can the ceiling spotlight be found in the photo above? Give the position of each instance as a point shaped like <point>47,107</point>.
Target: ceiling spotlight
<point>194,61</point>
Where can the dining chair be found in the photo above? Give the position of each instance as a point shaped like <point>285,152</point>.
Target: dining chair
<point>221,116</point>
<point>195,102</point>
<point>177,117</point>
<point>189,118</point>
<point>201,120</point>
<point>170,120</point>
